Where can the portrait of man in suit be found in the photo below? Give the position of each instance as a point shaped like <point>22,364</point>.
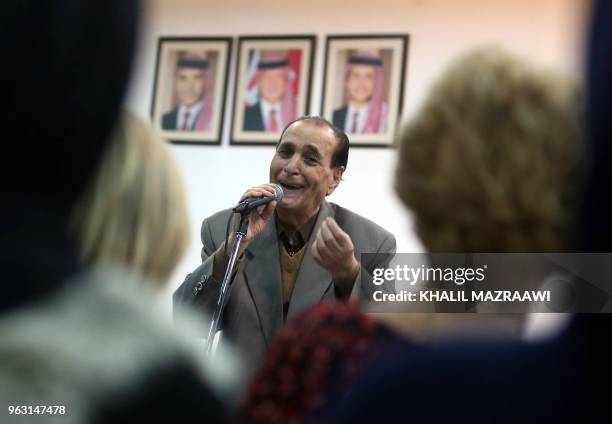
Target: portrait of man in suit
<point>274,106</point>
<point>364,110</point>
<point>192,102</point>
<point>297,252</point>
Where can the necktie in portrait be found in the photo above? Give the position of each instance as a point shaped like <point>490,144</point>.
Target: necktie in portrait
<point>355,119</point>
<point>272,121</point>
<point>185,121</point>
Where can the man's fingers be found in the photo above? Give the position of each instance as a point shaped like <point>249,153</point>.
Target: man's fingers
<point>321,243</point>
<point>319,254</point>
<point>342,239</point>
<point>262,190</point>
<point>263,212</point>
<point>268,210</point>
<point>251,193</point>
<point>319,247</point>
<point>326,253</point>
<point>328,236</point>
<point>267,189</point>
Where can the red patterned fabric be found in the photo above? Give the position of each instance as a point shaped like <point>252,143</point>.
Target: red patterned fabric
<point>313,361</point>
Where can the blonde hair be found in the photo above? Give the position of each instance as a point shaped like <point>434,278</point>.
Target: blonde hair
<point>134,212</point>
<point>491,163</point>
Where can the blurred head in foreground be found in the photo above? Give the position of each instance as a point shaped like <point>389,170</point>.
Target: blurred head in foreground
<point>134,213</point>
<point>69,127</point>
<point>491,162</point>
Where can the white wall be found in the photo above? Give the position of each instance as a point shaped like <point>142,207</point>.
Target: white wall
<point>549,32</point>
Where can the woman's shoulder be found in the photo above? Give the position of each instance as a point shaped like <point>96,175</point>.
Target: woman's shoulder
<point>99,341</point>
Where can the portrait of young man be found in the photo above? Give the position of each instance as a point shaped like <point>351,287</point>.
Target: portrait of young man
<point>363,111</point>
<point>191,88</point>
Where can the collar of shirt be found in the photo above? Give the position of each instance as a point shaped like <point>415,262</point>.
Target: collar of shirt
<point>193,112</point>
<point>292,235</point>
<point>266,107</point>
<point>362,116</point>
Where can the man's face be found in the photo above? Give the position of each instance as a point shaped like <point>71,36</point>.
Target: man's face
<point>302,166</point>
<point>271,84</point>
<point>190,84</point>
<point>360,83</point>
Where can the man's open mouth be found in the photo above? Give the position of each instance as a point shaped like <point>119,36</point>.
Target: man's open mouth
<point>291,186</point>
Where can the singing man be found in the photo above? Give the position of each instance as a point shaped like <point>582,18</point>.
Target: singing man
<point>297,252</point>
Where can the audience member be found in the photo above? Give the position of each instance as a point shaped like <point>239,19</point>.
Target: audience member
<point>135,212</point>
<point>563,379</point>
<point>85,340</point>
<point>493,164</point>
<point>312,362</point>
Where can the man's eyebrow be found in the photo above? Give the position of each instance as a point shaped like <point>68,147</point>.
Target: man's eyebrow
<point>286,144</point>
<point>312,149</point>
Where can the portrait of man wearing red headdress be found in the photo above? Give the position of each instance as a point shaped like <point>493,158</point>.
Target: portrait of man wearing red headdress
<point>364,110</point>
<point>270,100</point>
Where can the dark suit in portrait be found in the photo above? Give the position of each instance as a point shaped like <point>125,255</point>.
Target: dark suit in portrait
<point>169,120</point>
<point>339,118</point>
<point>253,119</point>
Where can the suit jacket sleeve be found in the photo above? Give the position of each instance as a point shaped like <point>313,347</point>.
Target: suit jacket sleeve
<point>364,288</point>
<point>200,289</point>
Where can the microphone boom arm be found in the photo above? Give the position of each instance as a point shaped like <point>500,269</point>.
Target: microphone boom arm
<point>229,271</point>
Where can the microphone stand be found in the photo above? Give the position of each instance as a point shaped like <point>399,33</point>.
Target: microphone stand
<point>240,234</point>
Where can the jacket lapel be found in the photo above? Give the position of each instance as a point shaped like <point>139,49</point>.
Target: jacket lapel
<point>262,275</point>
<point>312,280</point>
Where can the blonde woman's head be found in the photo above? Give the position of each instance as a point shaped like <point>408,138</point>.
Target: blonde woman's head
<point>134,213</point>
<point>491,161</point>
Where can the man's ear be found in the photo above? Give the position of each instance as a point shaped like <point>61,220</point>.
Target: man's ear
<point>337,173</point>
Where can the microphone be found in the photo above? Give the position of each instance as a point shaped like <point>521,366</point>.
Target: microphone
<point>251,203</point>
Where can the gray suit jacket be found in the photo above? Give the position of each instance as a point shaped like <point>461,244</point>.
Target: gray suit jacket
<point>254,309</point>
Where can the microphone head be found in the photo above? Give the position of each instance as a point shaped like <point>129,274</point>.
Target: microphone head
<point>278,193</point>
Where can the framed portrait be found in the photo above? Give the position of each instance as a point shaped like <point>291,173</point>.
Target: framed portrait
<point>189,88</point>
<point>273,78</point>
<point>363,85</point>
